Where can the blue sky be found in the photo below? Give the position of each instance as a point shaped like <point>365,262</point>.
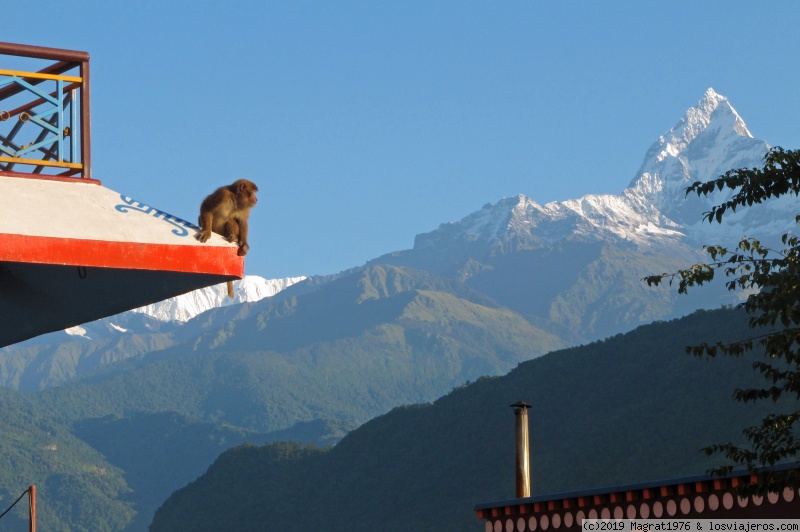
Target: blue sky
<point>365,123</point>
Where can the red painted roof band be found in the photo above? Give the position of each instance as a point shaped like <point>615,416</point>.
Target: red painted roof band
<point>207,259</point>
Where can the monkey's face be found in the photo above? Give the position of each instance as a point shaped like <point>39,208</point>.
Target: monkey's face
<point>249,197</point>
<point>246,193</point>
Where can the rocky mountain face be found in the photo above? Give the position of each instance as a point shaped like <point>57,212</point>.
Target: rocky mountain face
<point>577,265</point>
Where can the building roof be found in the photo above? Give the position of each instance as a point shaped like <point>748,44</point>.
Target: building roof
<point>695,497</point>
<point>73,251</point>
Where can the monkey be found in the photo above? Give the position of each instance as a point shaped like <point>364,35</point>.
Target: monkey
<point>226,212</point>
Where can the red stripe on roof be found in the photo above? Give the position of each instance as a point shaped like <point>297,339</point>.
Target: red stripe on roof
<point>210,259</point>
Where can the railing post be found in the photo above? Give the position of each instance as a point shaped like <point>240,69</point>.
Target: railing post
<point>86,121</point>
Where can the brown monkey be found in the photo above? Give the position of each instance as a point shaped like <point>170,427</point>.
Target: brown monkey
<point>226,212</point>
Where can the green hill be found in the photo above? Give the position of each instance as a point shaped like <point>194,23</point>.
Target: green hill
<point>308,368</point>
<point>351,351</point>
<point>632,408</point>
<point>78,489</point>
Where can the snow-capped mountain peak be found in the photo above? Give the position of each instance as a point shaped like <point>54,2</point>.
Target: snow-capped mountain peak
<point>710,139</point>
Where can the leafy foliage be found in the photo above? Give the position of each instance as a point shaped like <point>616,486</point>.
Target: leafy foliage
<point>773,309</point>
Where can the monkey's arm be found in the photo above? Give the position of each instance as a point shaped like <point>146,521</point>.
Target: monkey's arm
<point>206,223</point>
<point>243,245</point>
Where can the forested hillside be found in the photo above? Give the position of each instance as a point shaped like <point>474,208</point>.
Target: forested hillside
<point>632,408</point>
<point>78,489</point>
<point>305,368</point>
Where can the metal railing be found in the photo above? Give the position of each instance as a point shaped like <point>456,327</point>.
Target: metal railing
<point>44,114</point>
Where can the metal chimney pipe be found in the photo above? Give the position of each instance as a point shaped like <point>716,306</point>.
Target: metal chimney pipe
<point>523,461</point>
<point>32,501</point>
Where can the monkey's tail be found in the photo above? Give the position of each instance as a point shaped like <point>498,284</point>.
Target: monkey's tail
<point>230,289</point>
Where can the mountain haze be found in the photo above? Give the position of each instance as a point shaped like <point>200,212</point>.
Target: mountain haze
<point>351,350</point>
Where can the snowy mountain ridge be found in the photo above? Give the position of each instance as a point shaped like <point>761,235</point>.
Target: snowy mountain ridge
<point>710,139</point>
<point>184,307</point>
<point>624,216</point>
